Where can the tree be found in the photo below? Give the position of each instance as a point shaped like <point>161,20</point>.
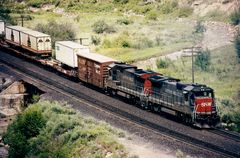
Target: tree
<point>26,126</point>
<point>203,60</point>
<point>57,31</point>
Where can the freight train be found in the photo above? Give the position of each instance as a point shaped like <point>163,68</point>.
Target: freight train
<point>193,103</point>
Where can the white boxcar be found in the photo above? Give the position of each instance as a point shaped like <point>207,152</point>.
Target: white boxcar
<point>13,34</point>
<point>36,42</point>
<point>66,52</point>
<point>2,27</point>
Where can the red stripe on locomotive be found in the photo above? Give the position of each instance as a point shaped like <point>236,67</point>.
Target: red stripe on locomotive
<point>203,105</point>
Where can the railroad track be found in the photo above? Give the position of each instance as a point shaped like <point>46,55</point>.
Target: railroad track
<point>123,114</point>
<point>227,134</point>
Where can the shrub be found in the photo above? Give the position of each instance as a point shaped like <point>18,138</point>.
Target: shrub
<point>152,15</point>
<point>185,11</point>
<point>57,31</point>
<point>199,27</point>
<point>95,40</point>
<point>101,26</point>
<point>124,21</point>
<point>142,9</point>
<point>163,63</point>
<point>203,60</point>
<point>142,42</point>
<point>122,41</point>
<point>237,46</point>
<point>35,98</point>
<point>121,1</point>
<point>106,43</point>
<point>35,3</point>
<point>235,17</point>
<point>158,40</point>
<point>168,6</point>
<point>26,126</point>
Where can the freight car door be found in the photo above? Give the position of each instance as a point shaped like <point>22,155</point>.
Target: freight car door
<point>40,44</point>
<point>90,66</point>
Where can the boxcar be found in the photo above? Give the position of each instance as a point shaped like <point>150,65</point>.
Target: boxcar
<point>66,52</point>
<point>93,68</point>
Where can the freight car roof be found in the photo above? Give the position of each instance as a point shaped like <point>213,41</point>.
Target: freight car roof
<point>35,33</point>
<point>18,28</point>
<point>71,44</point>
<point>95,57</point>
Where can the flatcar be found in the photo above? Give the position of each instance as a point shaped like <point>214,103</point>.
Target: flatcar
<point>36,42</point>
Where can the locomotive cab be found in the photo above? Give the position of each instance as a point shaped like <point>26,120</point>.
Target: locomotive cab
<point>202,102</point>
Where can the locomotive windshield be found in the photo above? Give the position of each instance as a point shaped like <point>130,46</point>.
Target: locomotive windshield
<point>204,94</point>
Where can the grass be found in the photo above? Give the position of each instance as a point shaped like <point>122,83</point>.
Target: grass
<point>172,34</point>
<point>223,75</point>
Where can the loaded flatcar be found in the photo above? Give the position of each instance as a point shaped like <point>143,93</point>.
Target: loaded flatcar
<point>36,42</point>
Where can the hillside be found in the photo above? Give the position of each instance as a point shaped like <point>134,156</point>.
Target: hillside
<point>142,31</point>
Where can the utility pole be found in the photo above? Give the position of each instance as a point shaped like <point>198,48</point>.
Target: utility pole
<point>192,50</point>
<point>22,19</point>
<point>192,67</point>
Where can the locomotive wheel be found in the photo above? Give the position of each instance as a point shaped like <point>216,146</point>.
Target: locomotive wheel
<point>133,100</point>
<point>156,108</point>
<point>112,92</point>
<point>143,105</point>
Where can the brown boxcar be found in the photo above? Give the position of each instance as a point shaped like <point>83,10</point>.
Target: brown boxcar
<point>93,68</point>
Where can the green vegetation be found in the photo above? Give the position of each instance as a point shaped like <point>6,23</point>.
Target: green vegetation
<point>102,27</point>
<point>184,11</point>
<point>25,127</point>
<point>47,129</point>
<point>203,59</point>
<point>95,40</point>
<point>222,76</point>
<point>137,30</point>
<point>168,6</point>
<point>235,17</point>
<point>57,31</point>
<point>124,21</point>
<point>152,15</point>
<point>163,63</point>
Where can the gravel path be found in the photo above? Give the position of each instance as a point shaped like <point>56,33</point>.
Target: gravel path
<point>217,34</point>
